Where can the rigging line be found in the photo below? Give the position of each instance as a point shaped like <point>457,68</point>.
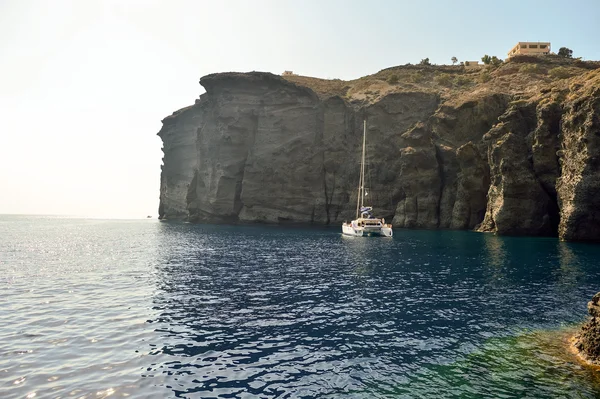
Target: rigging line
<point>369,179</point>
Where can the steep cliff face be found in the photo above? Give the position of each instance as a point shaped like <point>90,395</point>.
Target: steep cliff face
<point>517,203</point>
<point>420,180</point>
<point>499,157</point>
<point>473,183</point>
<point>180,161</point>
<point>260,152</point>
<point>579,183</point>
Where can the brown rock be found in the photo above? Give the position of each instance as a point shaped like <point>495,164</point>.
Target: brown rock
<point>587,341</point>
<point>578,186</point>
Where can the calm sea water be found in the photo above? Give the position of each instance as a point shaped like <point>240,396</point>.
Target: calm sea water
<point>96,308</point>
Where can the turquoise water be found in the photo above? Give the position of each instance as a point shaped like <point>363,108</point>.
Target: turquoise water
<point>96,308</point>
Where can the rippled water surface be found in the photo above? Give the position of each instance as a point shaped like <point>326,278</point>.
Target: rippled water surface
<point>95,308</point>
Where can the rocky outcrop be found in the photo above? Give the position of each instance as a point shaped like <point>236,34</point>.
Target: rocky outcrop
<point>587,341</point>
<point>579,184</point>
<point>468,118</point>
<point>180,161</point>
<point>260,152</point>
<point>517,203</point>
<point>260,148</point>
<point>420,181</point>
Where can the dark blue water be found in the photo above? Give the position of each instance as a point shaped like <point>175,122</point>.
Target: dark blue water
<point>97,308</point>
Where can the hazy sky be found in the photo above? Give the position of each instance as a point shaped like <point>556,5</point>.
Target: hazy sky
<point>84,84</point>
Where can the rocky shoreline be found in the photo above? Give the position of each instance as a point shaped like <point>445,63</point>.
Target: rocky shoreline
<point>586,342</point>
<point>497,149</point>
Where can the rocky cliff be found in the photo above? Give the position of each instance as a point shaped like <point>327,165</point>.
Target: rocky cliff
<point>511,149</point>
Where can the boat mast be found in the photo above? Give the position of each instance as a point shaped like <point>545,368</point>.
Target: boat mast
<point>360,199</point>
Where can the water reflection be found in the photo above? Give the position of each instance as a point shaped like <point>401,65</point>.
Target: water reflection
<point>569,271</point>
<point>495,258</point>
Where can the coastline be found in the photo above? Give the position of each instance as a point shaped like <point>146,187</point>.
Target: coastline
<point>585,343</point>
<point>581,357</point>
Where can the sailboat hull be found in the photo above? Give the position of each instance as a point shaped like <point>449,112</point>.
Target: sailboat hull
<point>359,231</point>
<point>351,231</point>
<point>387,232</point>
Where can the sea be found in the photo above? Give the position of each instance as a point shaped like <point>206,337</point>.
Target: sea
<point>93,308</point>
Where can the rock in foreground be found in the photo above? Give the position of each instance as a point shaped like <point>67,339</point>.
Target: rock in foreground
<point>587,341</point>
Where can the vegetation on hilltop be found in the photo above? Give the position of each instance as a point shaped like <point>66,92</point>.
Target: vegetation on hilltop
<point>493,60</point>
<point>565,52</point>
<point>520,75</point>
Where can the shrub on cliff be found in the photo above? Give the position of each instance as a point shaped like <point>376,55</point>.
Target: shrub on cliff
<point>443,79</point>
<point>461,80</point>
<point>416,77</point>
<point>507,70</point>
<point>424,61</point>
<point>532,69</point>
<point>560,73</point>
<point>485,77</point>
<point>392,79</point>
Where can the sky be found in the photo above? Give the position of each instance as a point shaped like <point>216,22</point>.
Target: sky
<point>84,84</point>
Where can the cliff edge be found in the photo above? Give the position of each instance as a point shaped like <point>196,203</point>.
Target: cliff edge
<point>511,149</point>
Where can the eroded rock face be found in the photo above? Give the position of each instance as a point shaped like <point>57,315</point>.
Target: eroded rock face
<point>459,122</point>
<point>393,141</point>
<point>587,341</point>
<point>517,205</point>
<point>545,146</point>
<point>579,184</point>
<point>258,148</point>
<point>260,152</point>
<point>522,194</point>
<point>420,180</point>
<point>473,184</point>
<point>180,161</point>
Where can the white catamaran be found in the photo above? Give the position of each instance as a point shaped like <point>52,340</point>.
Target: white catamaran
<point>365,224</point>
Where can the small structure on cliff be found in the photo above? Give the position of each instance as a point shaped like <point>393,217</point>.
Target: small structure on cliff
<point>530,48</point>
<point>587,342</point>
<point>288,73</point>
